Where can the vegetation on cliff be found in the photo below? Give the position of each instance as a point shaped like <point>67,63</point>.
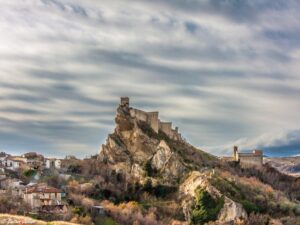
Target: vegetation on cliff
<point>206,207</point>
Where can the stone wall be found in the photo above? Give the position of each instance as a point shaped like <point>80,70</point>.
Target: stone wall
<point>149,117</point>
<point>166,127</point>
<point>250,160</point>
<point>176,135</point>
<point>254,158</point>
<point>152,119</point>
<point>139,114</point>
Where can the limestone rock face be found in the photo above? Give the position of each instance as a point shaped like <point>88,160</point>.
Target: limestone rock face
<point>162,156</point>
<point>166,162</point>
<point>129,148</point>
<point>136,151</point>
<point>231,210</point>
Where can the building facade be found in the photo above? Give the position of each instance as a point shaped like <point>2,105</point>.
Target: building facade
<point>53,163</point>
<point>254,158</point>
<point>41,195</point>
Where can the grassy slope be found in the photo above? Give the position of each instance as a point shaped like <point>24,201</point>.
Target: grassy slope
<point>4,218</point>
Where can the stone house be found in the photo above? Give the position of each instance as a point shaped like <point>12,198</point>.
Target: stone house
<point>246,159</point>
<point>41,195</point>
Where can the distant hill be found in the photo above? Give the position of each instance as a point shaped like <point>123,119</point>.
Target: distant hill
<point>287,165</point>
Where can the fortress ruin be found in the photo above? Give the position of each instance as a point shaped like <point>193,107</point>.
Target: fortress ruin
<point>152,119</point>
<point>254,158</point>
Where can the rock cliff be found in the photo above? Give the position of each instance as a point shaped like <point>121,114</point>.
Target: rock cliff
<point>134,145</point>
<point>140,154</point>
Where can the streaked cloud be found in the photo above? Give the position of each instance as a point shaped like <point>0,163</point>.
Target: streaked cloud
<point>224,71</point>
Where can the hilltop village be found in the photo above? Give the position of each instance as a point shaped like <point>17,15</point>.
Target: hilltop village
<point>147,173</point>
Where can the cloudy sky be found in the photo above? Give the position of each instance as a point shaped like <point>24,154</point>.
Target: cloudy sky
<point>225,71</point>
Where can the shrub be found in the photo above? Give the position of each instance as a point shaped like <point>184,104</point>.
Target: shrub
<point>249,206</point>
<point>148,186</point>
<point>74,168</point>
<point>29,173</point>
<point>257,219</point>
<point>206,208</point>
<point>148,168</point>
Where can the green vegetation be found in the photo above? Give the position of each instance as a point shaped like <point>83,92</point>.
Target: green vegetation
<point>29,173</point>
<point>107,221</point>
<point>236,193</point>
<point>74,169</point>
<point>250,207</point>
<point>255,196</point>
<point>148,168</point>
<point>206,208</point>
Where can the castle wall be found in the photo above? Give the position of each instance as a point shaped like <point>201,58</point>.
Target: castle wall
<point>166,127</point>
<point>153,120</point>
<point>250,160</point>
<point>150,118</point>
<point>175,135</point>
<point>139,114</point>
<point>254,158</point>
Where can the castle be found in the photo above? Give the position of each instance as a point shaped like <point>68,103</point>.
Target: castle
<point>254,158</point>
<point>152,119</point>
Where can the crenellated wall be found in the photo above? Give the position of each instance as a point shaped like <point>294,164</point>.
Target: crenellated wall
<point>152,119</point>
<point>149,117</point>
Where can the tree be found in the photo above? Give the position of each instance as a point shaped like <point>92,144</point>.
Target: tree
<point>206,207</point>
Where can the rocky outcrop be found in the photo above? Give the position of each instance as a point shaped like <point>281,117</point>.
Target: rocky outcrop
<point>231,210</point>
<point>138,152</point>
<point>129,148</point>
<point>166,162</point>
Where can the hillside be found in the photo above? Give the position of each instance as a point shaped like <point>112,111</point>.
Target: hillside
<point>156,171</point>
<point>14,219</point>
<point>147,173</point>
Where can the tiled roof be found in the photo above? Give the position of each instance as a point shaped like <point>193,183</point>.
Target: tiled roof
<point>42,189</point>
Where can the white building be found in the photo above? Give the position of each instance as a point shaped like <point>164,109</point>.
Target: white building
<point>53,163</point>
<point>13,163</point>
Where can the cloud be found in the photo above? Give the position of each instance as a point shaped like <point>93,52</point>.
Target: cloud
<point>273,144</point>
<point>220,70</point>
